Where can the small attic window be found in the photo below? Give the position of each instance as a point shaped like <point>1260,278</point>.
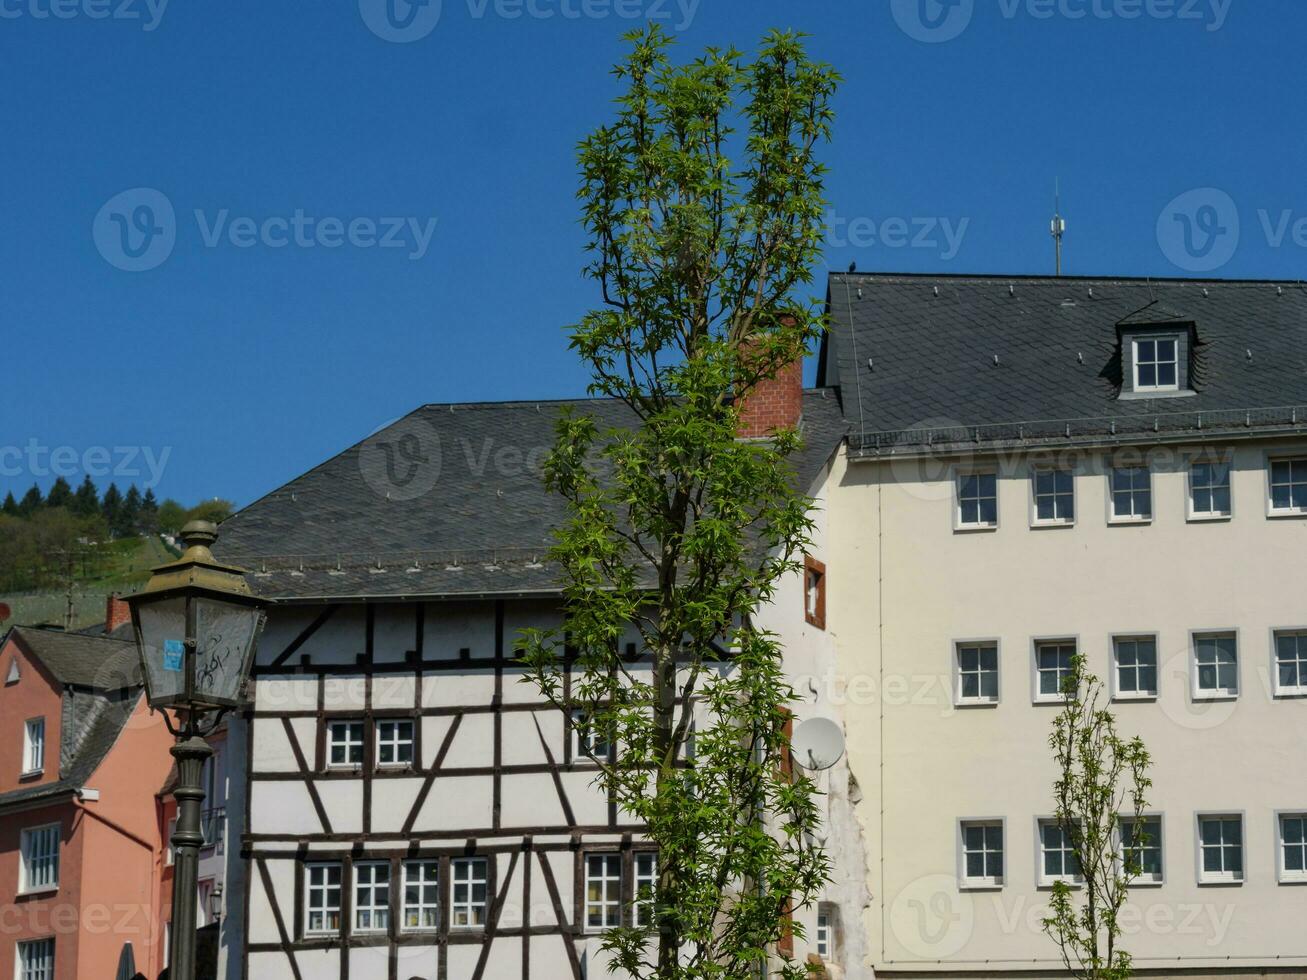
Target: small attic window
<point>1157,363</point>
<point>12,676</point>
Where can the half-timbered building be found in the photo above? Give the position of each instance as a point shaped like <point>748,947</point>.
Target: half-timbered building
<point>409,808</point>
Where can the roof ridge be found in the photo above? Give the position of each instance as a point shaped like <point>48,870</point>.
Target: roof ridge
<point>999,277</point>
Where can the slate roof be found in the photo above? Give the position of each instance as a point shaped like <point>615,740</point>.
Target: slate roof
<point>448,501</point>
<point>101,681</point>
<point>1030,359</point>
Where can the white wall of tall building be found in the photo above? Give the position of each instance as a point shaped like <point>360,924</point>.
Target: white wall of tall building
<point>905,586</point>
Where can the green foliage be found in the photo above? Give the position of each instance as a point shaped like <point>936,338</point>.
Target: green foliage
<point>216,510</point>
<point>703,204</point>
<point>86,502</point>
<point>1101,776</point>
<point>172,516</point>
<point>10,506</point>
<point>60,495</point>
<point>31,502</point>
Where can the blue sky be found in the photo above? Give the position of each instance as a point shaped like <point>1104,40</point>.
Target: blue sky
<point>232,363</point>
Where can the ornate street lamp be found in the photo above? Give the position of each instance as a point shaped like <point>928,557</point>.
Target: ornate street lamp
<point>196,624</point>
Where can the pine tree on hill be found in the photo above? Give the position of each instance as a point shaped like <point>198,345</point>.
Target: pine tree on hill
<point>111,507</point>
<point>131,514</point>
<point>10,507</point>
<point>86,502</point>
<point>31,502</point>
<point>60,495</point>
<point>148,520</point>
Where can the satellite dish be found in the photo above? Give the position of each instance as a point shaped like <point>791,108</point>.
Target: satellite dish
<point>818,744</point>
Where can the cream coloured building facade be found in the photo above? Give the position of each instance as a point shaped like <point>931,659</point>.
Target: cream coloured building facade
<point>1028,482</point>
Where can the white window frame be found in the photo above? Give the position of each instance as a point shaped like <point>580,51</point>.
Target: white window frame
<point>1218,693</point>
<point>1043,879</point>
<point>24,948</point>
<point>608,905</point>
<point>422,883</point>
<point>395,742</point>
<point>469,907</point>
<point>1282,874</point>
<point>33,747</point>
<point>1144,879</point>
<point>28,839</point>
<point>368,870</point>
<point>825,939</point>
<point>1035,520</point>
<point>311,891</point>
<point>980,701</point>
<point>1118,693</point>
<point>1046,641</point>
<point>585,742</point>
<point>641,906</point>
<point>333,724</point>
<point>984,882</point>
<point>1155,338</point>
<point>1200,517</point>
<point>1284,691</point>
<point>1130,519</point>
<point>960,474</point>
<point>1221,877</point>
<point>1271,509</point>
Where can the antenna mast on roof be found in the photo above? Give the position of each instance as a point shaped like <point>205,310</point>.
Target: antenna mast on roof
<point>1058,225</point>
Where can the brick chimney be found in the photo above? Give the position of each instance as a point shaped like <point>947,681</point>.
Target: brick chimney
<point>775,403</point>
<point>116,612</point>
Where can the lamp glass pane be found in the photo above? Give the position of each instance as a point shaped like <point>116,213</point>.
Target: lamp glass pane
<point>163,636</point>
<point>224,634</point>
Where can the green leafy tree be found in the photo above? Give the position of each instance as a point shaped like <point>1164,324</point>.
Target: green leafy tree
<point>86,501</point>
<point>31,502</point>
<point>1102,778</point>
<point>216,510</point>
<point>172,516</point>
<point>704,207</point>
<point>60,495</point>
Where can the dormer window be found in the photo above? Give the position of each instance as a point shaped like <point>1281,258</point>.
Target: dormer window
<point>1156,363</point>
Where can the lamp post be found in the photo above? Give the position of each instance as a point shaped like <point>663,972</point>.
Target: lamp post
<point>196,624</point>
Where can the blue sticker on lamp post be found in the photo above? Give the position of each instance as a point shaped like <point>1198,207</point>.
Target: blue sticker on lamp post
<point>172,655</point>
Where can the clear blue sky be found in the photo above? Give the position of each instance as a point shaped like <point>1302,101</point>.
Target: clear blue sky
<point>248,365</point>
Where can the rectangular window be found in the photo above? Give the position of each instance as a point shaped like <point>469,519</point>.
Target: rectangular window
<point>1141,847</point>
<point>395,742</point>
<point>982,853</point>
<point>1291,662</point>
<point>1209,490</point>
<point>34,746</point>
<point>977,673</point>
<point>36,960</point>
<point>1289,486</point>
<point>977,500</point>
<point>1132,493</point>
<point>814,592</point>
<point>1216,666</point>
<point>1136,666</point>
<point>322,899</point>
<point>345,743</point>
<point>603,891</point>
<point>467,903</point>
<point>1220,848</point>
<point>1156,364</point>
<point>1293,846</point>
<point>588,743</point>
<point>421,895</point>
<point>1057,856</point>
<point>646,885</point>
<point>1052,668</point>
<point>825,934</point>
<point>1055,501</point>
<point>372,896</point>
<point>40,859</point>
